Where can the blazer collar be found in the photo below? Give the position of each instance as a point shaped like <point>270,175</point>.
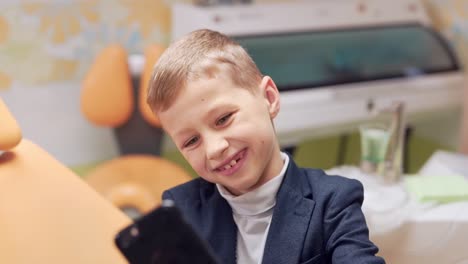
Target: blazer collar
<point>291,216</point>
<point>218,223</point>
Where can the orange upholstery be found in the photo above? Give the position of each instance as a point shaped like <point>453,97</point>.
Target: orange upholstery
<point>107,94</point>
<point>10,132</point>
<point>152,54</point>
<point>136,181</point>
<point>47,213</point>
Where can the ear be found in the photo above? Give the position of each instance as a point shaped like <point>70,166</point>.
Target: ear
<point>271,94</point>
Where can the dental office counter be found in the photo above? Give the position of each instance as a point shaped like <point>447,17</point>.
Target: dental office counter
<point>409,232</point>
<point>438,235</point>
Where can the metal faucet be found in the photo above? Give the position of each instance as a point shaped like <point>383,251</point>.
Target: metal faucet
<point>392,167</point>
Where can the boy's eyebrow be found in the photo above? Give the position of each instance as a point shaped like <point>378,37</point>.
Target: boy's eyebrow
<point>211,112</point>
<point>217,108</point>
<point>181,132</point>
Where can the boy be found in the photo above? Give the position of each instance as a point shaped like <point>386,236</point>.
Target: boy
<point>252,203</point>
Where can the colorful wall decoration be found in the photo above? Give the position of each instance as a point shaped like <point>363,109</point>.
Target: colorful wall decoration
<point>48,41</point>
<point>451,18</point>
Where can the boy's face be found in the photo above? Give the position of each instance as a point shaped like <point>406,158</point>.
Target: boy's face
<point>226,133</point>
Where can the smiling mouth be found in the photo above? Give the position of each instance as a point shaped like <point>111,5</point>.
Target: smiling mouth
<point>232,164</point>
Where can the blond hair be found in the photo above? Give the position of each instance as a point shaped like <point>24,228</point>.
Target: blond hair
<point>201,54</point>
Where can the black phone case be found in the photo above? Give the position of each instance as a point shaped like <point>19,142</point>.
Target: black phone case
<point>163,237</point>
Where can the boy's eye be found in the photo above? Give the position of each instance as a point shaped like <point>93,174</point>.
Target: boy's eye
<point>190,142</point>
<point>223,119</point>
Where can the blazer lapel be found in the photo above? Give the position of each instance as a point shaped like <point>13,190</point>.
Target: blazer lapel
<point>221,230</point>
<point>290,219</point>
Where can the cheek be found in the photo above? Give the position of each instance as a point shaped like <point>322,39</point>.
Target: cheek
<point>257,130</point>
<point>196,161</point>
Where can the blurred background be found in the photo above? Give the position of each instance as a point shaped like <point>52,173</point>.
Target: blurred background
<point>47,47</point>
<point>73,75</point>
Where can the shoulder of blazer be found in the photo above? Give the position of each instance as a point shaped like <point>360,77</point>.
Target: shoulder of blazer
<point>194,190</point>
<point>322,184</point>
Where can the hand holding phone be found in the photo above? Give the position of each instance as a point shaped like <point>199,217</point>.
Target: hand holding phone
<point>163,237</point>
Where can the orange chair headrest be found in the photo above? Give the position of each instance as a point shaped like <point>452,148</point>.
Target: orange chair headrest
<point>10,132</point>
<point>136,181</point>
<point>152,54</point>
<point>107,94</point>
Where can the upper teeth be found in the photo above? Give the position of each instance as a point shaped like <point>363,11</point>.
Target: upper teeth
<point>230,164</point>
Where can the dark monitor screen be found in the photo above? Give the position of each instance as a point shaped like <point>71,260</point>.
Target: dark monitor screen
<point>320,58</point>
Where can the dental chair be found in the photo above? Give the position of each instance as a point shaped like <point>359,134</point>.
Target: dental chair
<point>135,180</point>
<point>47,213</point>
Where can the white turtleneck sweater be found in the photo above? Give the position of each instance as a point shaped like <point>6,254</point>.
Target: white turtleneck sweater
<point>252,214</point>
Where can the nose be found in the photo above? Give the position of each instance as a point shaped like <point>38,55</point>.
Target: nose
<point>215,146</point>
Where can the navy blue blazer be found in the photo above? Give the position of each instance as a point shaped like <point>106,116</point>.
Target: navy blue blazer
<point>317,219</point>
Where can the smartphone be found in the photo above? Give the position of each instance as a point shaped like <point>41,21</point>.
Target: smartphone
<point>163,237</point>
